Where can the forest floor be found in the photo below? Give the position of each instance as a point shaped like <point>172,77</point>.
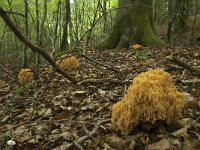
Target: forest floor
<point>54,113</point>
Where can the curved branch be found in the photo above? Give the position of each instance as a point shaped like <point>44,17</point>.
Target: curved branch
<point>91,134</point>
<point>12,12</point>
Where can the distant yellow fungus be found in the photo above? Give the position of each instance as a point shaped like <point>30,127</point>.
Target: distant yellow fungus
<point>25,76</point>
<point>136,46</point>
<point>68,63</point>
<point>150,98</point>
<point>142,62</point>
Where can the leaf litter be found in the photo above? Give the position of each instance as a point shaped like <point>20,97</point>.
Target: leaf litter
<point>56,113</point>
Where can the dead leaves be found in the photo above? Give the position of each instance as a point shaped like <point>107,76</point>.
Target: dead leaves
<point>66,110</point>
<point>165,144</point>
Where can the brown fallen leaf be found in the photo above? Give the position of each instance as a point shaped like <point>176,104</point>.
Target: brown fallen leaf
<point>165,144</point>
<point>180,133</point>
<point>192,105</point>
<point>145,139</point>
<point>191,144</point>
<point>116,142</point>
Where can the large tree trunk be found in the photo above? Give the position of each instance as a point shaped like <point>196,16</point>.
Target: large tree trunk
<point>133,24</point>
<point>25,57</point>
<point>182,15</point>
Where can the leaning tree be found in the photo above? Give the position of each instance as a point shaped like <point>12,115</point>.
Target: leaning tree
<point>133,24</point>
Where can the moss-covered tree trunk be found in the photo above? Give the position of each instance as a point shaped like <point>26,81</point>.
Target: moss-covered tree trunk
<point>133,24</point>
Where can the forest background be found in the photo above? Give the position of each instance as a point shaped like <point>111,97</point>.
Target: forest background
<point>111,42</point>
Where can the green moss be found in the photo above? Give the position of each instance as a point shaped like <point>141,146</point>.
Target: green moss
<point>24,88</point>
<point>110,42</point>
<point>149,38</point>
<point>146,33</point>
<point>103,140</point>
<point>133,26</point>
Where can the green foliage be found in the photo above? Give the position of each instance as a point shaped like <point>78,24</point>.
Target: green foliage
<point>24,88</point>
<point>113,3</point>
<point>143,54</point>
<point>3,4</point>
<point>103,140</point>
<point>82,15</point>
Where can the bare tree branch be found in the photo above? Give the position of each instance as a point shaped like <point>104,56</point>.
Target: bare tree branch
<point>92,133</point>
<point>33,47</point>
<point>12,12</point>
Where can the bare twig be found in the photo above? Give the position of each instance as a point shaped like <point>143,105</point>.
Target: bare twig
<point>111,67</point>
<point>34,47</point>
<point>193,122</point>
<point>92,133</point>
<point>98,81</point>
<point>183,74</point>
<point>87,131</point>
<point>76,145</point>
<point>195,81</point>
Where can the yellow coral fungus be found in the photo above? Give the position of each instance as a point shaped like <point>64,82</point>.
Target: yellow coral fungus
<point>150,98</point>
<point>68,63</point>
<point>25,76</point>
<point>136,46</point>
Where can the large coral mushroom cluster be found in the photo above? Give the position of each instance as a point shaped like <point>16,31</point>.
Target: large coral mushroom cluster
<point>25,76</point>
<point>150,98</point>
<point>68,63</point>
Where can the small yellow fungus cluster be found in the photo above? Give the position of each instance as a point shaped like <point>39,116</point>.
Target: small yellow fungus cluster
<point>68,63</point>
<point>25,76</point>
<point>136,46</point>
<point>150,98</point>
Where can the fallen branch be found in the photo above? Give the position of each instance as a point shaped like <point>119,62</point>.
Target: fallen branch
<point>98,81</point>
<point>195,81</point>
<point>33,47</point>
<point>185,65</point>
<point>111,67</point>
<point>86,137</point>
